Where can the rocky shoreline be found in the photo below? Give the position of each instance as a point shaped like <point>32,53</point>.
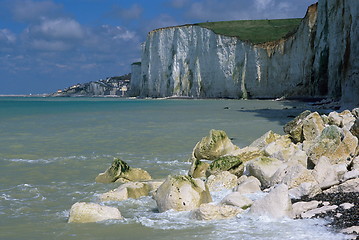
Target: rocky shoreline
<point>311,172</point>
<point>345,216</point>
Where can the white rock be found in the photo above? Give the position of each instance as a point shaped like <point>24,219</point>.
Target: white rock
<point>293,176</point>
<point>276,204</point>
<point>248,185</point>
<point>356,163</point>
<point>351,185</point>
<point>131,190</point>
<point>263,168</point>
<point>341,169</point>
<point>221,181</point>
<point>213,146</point>
<point>209,211</point>
<point>335,143</point>
<point>284,150</point>
<point>350,175</point>
<point>324,172</point>
<point>313,212</point>
<point>313,126</point>
<point>238,200</point>
<point>181,193</point>
<point>82,212</point>
<point>351,230</point>
<point>307,188</point>
<point>264,140</point>
<point>301,207</point>
<point>346,205</point>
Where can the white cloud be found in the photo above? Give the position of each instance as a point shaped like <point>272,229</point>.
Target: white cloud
<point>29,10</point>
<point>133,12</point>
<point>59,29</point>
<point>221,10</point>
<point>45,45</point>
<point>179,3</point>
<point>263,4</point>
<point>7,36</point>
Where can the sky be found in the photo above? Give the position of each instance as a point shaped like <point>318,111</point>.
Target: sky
<point>46,45</point>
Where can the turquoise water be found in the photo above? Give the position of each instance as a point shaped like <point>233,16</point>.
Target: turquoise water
<point>51,150</point>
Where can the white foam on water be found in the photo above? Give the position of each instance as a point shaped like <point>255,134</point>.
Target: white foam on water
<point>245,226</point>
<point>20,160</point>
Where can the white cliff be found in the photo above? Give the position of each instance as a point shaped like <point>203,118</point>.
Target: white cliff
<point>319,60</point>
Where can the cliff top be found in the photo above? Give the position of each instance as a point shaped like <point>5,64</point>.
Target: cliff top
<point>255,31</point>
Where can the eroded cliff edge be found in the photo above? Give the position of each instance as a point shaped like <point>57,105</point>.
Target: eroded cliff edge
<point>319,60</point>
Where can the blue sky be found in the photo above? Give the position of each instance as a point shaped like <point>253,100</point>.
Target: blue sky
<point>47,45</point>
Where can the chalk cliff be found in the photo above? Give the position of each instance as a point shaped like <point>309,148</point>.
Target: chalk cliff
<point>319,60</point>
<point>112,86</point>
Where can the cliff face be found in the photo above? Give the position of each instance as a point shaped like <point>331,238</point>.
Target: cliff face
<point>112,86</point>
<point>320,59</point>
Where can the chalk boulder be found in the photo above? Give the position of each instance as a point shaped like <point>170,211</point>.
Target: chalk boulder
<point>221,181</point>
<point>131,190</point>
<point>337,144</point>
<point>198,169</point>
<point>215,212</point>
<point>238,200</point>
<point>181,193</point>
<point>324,172</point>
<point>263,168</point>
<point>276,204</point>
<point>295,127</point>
<point>120,171</point>
<point>248,185</point>
<point>213,146</point>
<point>82,212</point>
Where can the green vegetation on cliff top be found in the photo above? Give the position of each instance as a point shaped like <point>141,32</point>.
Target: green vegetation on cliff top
<point>255,31</point>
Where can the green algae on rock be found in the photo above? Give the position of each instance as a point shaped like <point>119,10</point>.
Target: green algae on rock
<point>120,171</point>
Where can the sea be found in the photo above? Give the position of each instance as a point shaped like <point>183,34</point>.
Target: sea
<point>52,149</point>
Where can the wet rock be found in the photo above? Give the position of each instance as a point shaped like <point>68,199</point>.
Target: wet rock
<point>221,181</point>
<point>120,171</point>
<point>215,212</point>
<point>238,200</point>
<point>131,190</point>
<point>181,193</point>
<point>82,212</point>
<point>276,204</point>
<point>213,146</point>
